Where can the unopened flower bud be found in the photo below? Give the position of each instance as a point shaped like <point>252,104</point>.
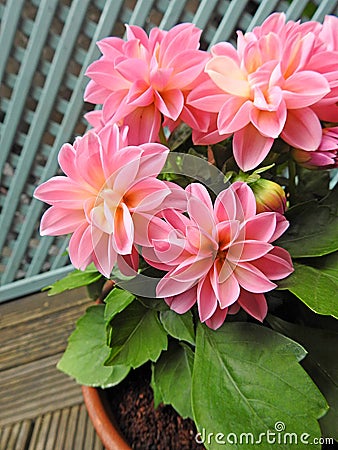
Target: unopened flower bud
<point>269,195</point>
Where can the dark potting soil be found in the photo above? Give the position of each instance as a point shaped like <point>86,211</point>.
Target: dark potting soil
<point>144,427</point>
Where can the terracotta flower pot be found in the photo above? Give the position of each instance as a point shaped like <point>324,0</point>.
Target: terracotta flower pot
<point>103,419</point>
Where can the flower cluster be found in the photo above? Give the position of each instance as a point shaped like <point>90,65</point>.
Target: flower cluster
<point>280,82</point>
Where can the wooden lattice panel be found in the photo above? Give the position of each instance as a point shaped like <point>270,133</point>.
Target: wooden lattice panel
<point>46,46</point>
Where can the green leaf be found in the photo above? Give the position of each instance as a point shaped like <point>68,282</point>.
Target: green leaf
<point>75,279</point>
<point>179,326</point>
<point>172,378</point>
<point>317,288</point>
<point>87,350</point>
<point>321,364</point>
<point>313,229</point>
<point>158,399</point>
<point>153,303</point>
<point>116,301</point>
<point>246,379</point>
<point>137,336</point>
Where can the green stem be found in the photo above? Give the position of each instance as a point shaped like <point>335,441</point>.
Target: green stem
<point>292,180</point>
<point>162,137</point>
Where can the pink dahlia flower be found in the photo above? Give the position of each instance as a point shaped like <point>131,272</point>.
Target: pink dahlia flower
<point>144,78</point>
<point>220,256</point>
<point>106,187</point>
<point>325,157</point>
<point>277,83</point>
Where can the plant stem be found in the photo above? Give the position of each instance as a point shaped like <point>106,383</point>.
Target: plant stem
<point>292,180</point>
<point>162,137</point>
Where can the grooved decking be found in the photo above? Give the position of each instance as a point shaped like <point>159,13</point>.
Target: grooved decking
<point>40,407</point>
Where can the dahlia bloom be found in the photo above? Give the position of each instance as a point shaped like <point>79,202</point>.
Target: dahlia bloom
<point>106,187</point>
<point>325,157</point>
<point>144,78</point>
<point>220,256</point>
<point>279,82</point>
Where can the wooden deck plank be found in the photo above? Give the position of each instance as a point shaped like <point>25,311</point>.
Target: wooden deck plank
<point>40,407</point>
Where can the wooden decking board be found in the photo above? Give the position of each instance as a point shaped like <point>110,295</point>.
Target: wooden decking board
<point>40,407</point>
<point>15,436</point>
<point>40,337</point>
<point>37,305</point>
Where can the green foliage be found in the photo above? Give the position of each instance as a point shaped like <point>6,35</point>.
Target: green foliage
<point>179,326</point>
<point>316,287</point>
<point>321,364</point>
<point>87,350</point>
<point>313,228</point>
<point>116,301</point>
<point>247,378</point>
<point>171,380</point>
<point>137,336</point>
<point>75,279</point>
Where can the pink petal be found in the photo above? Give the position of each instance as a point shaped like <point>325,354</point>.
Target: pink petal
<point>227,233</point>
<point>128,264</point>
<point>115,107</point>
<point>103,73</point>
<point>250,147</point>
<point>95,93</point>
<point>225,270</point>
<point>178,39</point>
<point>226,292</point>
<point>169,103</point>
<point>302,129</point>
<point>146,195</point>
<point>253,304</point>
<point>105,255</point>
<point>235,203</point>
<point>207,97</point>
<point>206,299</point>
<point>201,215</point>
<point>281,225</point>
<point>277,264</point>
<point>125,176</point>
<point>80,246</point>
<point>252,279</point>
<point>152,160</point>
<point>135,32</point>
<point>261,226</point>
<point>247,251</point>
<point>56,221</point>
<point>191,269</point>
<point>304,89</point>
<point>123,230</point>
<point>141,227</point>
<point>181,303</point>
<point>88,160</point>
<point>269,123</point>
<point>140,94</point>
<point>234,115</point>
<point>64,192</point>
<point>188,65</point>
<point>227,75</point>
<point>144,125</point>
<point>131,69</point>
<point>200,193</point>
<point>159,77</point>
<point>217,319</point>
<point>168,287</point>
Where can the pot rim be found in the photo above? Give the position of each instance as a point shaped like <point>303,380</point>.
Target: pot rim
<point>102,419</point>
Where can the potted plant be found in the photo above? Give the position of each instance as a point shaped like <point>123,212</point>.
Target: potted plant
<point>204,193</point>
